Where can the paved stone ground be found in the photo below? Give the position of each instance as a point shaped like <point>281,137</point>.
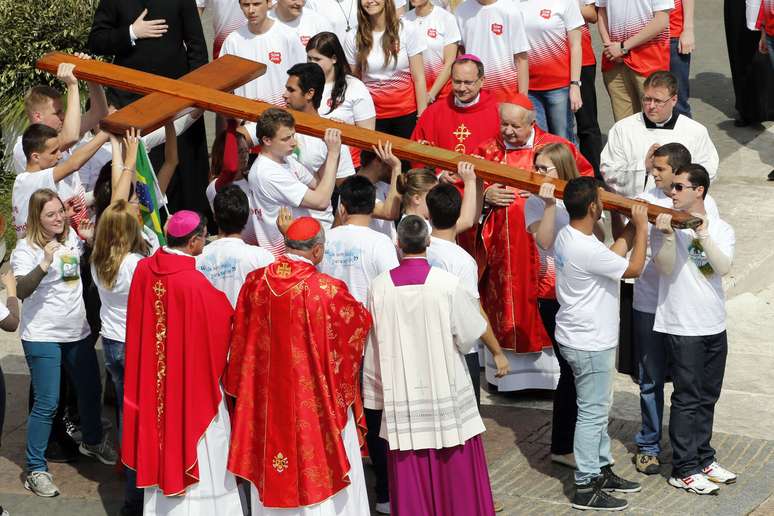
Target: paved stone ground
<point>518,424</point>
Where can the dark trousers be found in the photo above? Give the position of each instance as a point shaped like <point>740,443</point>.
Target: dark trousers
<point>680,66</point>
<point>565,411</point>
<point>401,126</point>
<point>2,402</point>
<point>589,135</point>
<point>474,367</point>
<point>377,450</point>
<point>697,366</point>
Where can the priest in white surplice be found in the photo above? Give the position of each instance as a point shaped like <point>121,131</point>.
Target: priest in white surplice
<point>415,372</point>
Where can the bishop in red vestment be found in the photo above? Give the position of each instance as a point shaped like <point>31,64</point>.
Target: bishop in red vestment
<point>294,369</point>
<point>177,333</point>
<point>510,282</point>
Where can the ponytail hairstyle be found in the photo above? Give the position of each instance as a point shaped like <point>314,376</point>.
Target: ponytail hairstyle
<point>328,44</point>
<point>364,38</point>
<point>417,181</point>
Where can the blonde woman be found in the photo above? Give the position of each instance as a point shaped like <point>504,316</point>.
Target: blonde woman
<point>53,332</point>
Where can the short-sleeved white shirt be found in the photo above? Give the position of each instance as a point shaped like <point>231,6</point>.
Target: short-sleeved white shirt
<point>308,24</point>
<point>112,313</point>
<point>272,186</point>
<point>439,28</point>
<point>277,48</point>
<point>356,106</point>
<point>248,233</point>
<point>587,288</point>
<point>534,209</point>
<point>494,33</point>
<point>227,261</point>
<point>341,14</point>
<point>386,227</point>
<point>690,303</point>
<point>391,86</point>
<point>227,16</point>
<point>356,255</point>
<point>547,23</point>
<point>70,190</point>
<point>54,312</point>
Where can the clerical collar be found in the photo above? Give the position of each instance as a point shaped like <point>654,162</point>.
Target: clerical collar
<point>297,258</point>
<point>171,250</point>
<point>528,145</point>
<point>668,124</point>
<point>459,103</point>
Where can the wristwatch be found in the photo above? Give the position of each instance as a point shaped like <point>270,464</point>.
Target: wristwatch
<point>624,50</point>
<point>577,83</point>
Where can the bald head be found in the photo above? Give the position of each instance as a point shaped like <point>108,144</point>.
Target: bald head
<point>515,124</point>
<point>514,112</point>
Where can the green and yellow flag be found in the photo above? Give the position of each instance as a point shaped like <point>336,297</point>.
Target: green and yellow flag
<point>148,193</point>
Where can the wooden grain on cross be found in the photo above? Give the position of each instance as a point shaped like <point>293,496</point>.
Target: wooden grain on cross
<point>204,94</point>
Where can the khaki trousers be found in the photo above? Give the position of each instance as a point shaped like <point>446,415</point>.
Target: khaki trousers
<point>625,87</point>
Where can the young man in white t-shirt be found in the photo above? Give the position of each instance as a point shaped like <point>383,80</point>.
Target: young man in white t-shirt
<point>587,278</point>
<point>228,260</point>
<point>691,312</point>
<point>305,22</point>
<point>266,41</point>
<point>444,203</point>
<point>45,169</point>
<point>277,179</point>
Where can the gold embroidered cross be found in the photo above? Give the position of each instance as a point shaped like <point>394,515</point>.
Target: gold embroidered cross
<point>283,270</point>
<point>462,133</point>
<point>158,289</point>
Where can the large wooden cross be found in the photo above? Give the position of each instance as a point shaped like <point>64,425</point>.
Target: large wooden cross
<point>208,88</point>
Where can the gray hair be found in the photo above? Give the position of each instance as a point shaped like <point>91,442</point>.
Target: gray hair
<point>528,115</point>
<point>306,245</point>
<point>413,235</point>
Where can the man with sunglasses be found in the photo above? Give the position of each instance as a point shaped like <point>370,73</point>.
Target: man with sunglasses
<point>627,159</point>
<point>691,315</point>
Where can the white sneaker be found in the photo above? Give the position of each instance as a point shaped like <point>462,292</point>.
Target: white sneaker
<point>382,507</point>
<point>41,483</point>
<point>696,483</point>
<point>567,459</point>
<point>718,474</point>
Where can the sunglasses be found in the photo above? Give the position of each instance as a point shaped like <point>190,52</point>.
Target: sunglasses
<point>679,187</point>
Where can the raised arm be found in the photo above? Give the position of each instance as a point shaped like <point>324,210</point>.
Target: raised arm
<point>129,168</point>
<point>320,197</point>
<point>390,208</point>
<point>80,156</point>
<point>171,158</point>
<point>472,197</point>
<point>70,132</point>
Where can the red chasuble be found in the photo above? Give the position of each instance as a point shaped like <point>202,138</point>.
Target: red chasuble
<point>509,287</point>
<point>177,333</point>
<point>294,369</point>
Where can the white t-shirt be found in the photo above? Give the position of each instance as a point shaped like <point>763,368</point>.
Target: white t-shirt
<point>112,313</point>
<point>391,86</point>
<point>54,312</point>
<point>227,261</point>
<point>356,106</point>
<point>386,227</point>
<point>356,255</point>
<point>25,184</point>
<point>227,16</point>
<point>308,24</point>
<point>341,14</point>
<point>587,276</point>
<point>4,312</point>
<point>494,33</point>
<point>439,29</point>
<point>534,209</point>
<point>691,303</point>
<point>273,185</point>
<point>277,48</point>
<point>248,233</point>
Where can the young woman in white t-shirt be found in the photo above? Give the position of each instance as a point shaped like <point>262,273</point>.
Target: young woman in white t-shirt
<point>54,331</point>
<point>386,53</point>
<point>345,97</point>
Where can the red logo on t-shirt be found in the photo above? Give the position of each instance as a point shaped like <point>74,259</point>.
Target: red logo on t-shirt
<point>330,102</point>
<point>432,33</point>
<point>305,40</point>
<point>545,13</point>
<point>275,57</point>
<point>497,28</point>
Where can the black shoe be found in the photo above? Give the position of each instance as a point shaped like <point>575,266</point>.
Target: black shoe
<point>56,452</point>
<point>614,483</point>
<point>591,496</point>
<point>741,122</point>
<point>771,175</point>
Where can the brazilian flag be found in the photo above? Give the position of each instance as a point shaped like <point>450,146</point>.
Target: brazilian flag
<point>148,194</point>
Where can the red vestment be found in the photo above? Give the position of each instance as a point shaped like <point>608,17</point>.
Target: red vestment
<point>509,287</point>
<point>177,333</point>
<point>294,369</point>
<point>461,129</point>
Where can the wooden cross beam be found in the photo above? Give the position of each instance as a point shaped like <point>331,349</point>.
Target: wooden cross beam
<point>201,88</point>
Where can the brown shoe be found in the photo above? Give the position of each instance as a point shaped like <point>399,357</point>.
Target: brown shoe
<point>498,506</point>
<point>647,464</point>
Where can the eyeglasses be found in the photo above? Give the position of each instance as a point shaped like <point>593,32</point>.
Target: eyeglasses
<point>653,100</point>
<point>544,169</point>
<point>680,186</point>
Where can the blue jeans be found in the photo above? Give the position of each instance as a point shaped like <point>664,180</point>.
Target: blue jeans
<point>593,372</point>
<point>553,113</point>
<point>652,364</point>
<point>680,66</point>
<point>44,360</point>
<point>114,363</point>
